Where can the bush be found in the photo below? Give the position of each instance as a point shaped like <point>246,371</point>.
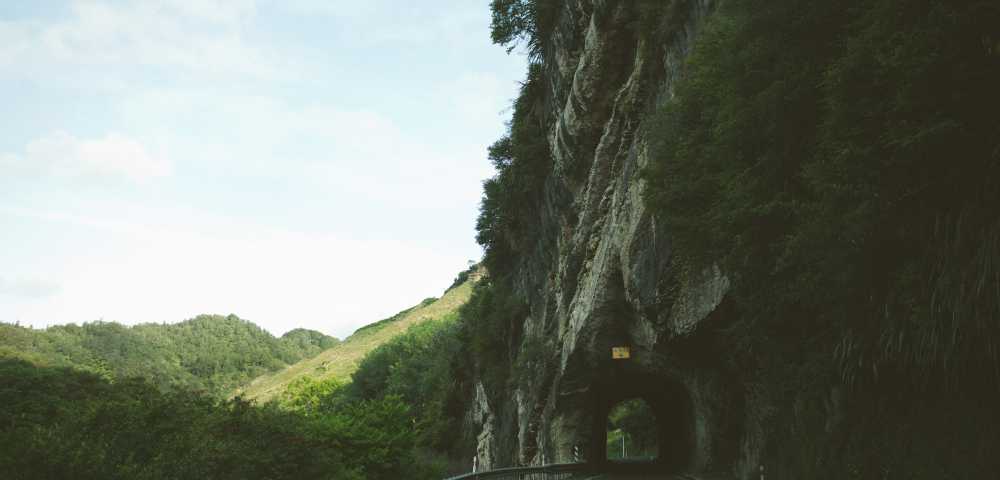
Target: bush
<point>511,199</point>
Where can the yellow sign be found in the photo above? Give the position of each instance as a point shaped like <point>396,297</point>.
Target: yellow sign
<point>620,353</point>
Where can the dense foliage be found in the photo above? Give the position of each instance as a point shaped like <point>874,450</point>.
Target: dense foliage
<point>511,199</point>
<point>423,368</point>
<point>209,353</point>
<point>491,332</point>
<point>418,377</point>
<point>429,369</point>
<point>528,22</point>
<point>307,343</point>
<point>841,160</point>
<point>432,366</point>
<point>858,171</point>
<point>629,423</point>
<point>63,423</point>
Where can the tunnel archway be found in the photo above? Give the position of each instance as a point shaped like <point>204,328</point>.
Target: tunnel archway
<point>671,412</point>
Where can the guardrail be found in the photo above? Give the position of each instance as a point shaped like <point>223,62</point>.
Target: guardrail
<point>562,471</point>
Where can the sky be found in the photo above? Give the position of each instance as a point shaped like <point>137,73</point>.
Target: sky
<point>299,163</point>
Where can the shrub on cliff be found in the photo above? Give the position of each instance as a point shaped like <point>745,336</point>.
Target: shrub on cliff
<point>511,199</point>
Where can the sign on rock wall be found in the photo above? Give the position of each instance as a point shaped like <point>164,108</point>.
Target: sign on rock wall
<point>620,353</point>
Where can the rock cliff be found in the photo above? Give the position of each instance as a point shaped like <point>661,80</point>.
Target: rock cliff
<point>782,209</point>
<point>601,273</point>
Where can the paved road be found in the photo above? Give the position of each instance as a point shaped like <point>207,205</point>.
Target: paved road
<point>648,476</point>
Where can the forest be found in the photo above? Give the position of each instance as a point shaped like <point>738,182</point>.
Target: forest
<point>209,353</point>
<point>138,405</point>
<point>59,422</point>
<point>106,401</point>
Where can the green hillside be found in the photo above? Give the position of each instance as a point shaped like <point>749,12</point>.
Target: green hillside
<point>59,422</point>
<point>210,353</point>
<point>341,360</point>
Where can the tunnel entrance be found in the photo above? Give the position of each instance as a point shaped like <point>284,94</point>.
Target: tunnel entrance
<point>631,432</point>
<point>652,416</point>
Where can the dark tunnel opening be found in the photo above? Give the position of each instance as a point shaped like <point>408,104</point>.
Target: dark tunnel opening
<point>668,407</point>
<point>632,432</point>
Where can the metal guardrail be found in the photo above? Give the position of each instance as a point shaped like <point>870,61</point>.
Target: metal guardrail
<point>562,471</point>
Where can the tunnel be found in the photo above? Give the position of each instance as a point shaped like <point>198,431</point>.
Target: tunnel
<point>672,414</point>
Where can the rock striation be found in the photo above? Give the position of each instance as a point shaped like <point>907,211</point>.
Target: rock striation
<point>601,273</point>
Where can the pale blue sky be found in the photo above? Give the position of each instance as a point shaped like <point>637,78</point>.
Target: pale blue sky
<point>313,163</point>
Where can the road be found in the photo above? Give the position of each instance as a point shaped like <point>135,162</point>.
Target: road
<point>649,476</point>
<point>633,476</point>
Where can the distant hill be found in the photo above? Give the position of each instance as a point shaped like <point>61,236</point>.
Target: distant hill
<point>341,360</point>
<point>212,353</point>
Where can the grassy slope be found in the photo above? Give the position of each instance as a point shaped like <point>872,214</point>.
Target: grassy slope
<point>341,360</point>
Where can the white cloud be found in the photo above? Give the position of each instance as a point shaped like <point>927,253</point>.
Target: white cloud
<point>337,8</point>
<point>277,278</point>
<point>363,151</point>
<point>227,12</point>
<point>380,22</point>
<point>64,155</point>
<point>98,38</point>
<point>27,288</point>
<point>481,96</point>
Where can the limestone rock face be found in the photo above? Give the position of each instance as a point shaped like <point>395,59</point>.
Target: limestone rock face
<point>482,415</point>
<point>601,273</point>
